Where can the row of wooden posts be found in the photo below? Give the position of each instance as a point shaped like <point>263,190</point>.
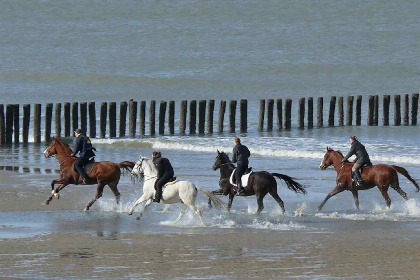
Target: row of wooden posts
<point>10,116</point>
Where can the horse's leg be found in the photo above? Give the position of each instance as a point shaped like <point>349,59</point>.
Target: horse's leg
<point>181,213</point>
<point>260,203</point>
<point>231,196</point>
<point>338,189</point>
<point>99,191</point>
<point>198,212</point>
<point>396,187</point>
<point>138,201</point>
<point>356,198</point>
<point>384,192</point>
<point>114,189</point>
<point>277,198</point>
<point>144,208</point>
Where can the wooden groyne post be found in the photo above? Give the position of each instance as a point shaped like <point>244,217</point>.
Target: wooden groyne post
<point>243,108</point>
<point>9,123</point>
<point>397,110</point>
<point>183,117</point>
<point>152,118</point>
<point>270,114</point>
<point>102,125</point>
<point>57,119</point>
<point>288,113</point>
<point>171,117</point>
<point>193,116</point>
<point>112,119</point>
<point>132,118</point>
<point>359,110</point>
<point>26,123</point>
<point>332,111</point>
<point>349,110</point>
<point>320,112</point>
<point>142,118</point>
<point>123,118</point>
<point>210,114</point>
<point>221,116</point>
<point>232,116</point>
<point>370,110</point>
<point>67,119</point>
<point>201,116</point>
<point>279,105</point>
<point>92,119</point>
<point>37,123</point>
<point>414,108</point>
<point>261,115</point>
<point>385,109</point>
<point>48,121</point>
<point>75,115</point>
<point>2,125</point>
<point>301,113</point>
<point>340,111</point>
<point>406,109</point>
<point>162,116</point>
<point>16,127</point>
<point>310,112</point>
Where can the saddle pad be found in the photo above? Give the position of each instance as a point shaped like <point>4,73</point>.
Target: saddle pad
<point>170,183</point>
<point>244,178</point>
<point>88,167</point>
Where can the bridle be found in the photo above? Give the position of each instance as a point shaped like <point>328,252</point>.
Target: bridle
<point>142,175</point>
<point>58,157</point>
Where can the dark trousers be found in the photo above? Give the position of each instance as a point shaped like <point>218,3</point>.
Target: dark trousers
<point>79,164</point>
<point>240,170</point>
<point>160,183</point>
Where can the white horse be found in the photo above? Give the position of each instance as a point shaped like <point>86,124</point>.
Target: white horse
<point>174,192</point>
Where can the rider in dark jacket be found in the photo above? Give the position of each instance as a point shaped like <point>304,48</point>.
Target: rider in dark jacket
<point>165,174</point>
<point>84,146</point>
<point>362,158</point>
<point>240,156</point>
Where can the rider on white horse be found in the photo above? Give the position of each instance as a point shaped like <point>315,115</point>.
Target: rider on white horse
<point>165,173</point>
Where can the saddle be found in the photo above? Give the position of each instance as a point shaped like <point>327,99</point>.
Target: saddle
<point>244,177</point>
<point>88,166</point>
<point>172,181</point>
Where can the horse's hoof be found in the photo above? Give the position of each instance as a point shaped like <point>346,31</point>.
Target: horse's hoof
<point>138,218</point>
<point>130,213</point>
<point>86,209</point>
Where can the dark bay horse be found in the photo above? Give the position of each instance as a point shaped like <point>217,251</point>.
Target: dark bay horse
<point>103,173</point>
<point>259,184</point>
<point>381,175</point>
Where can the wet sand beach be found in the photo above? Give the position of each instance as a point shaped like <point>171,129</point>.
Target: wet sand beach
<point>374,254</point>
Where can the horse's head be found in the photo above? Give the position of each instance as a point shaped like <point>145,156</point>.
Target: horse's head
<point>57,147</point>
<point>138,169</point>
<point>221,158</point>
<point>328,158</point>
<point>51,150</point>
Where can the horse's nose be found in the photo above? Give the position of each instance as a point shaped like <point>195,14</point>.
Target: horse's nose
<point>321,166</point>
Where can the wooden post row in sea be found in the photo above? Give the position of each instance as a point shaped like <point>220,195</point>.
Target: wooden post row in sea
<point>73,115</point>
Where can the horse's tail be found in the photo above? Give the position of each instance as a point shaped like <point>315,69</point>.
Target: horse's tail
<point>290,183</point>
<point>126,165</point>
<point>219,204</point>
<point>404,172</point>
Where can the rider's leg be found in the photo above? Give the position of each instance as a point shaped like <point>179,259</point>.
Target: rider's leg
<point>356,170</point>
<point>158,187</point>
<point>78,165</point>
<point>240,170</point>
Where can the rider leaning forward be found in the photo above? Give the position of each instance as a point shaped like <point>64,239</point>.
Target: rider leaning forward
<point>165,173</point>
<point>362,158</point>
<point>240,156</point>
<point>85,148</point>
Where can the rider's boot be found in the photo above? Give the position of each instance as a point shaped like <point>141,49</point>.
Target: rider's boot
<point>359,180</point>
<point>241,189</point>
<point>84,177</point>
<point>76,182</point>
<point>158,195</point>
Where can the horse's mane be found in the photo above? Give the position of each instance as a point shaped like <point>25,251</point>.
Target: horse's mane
<point>149,162</point>
<point>225,155</point>
<point>64,145</point>
<point>341,154</point>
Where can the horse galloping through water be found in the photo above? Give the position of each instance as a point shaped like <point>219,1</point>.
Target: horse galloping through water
<point>381,175</point>
<point>103,173</point>
<point>174,192</point>
<point>259,184</point>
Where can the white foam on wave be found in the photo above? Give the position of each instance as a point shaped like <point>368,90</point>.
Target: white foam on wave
<point>405,211</point>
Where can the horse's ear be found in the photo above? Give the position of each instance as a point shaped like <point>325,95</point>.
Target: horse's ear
<point>218,151</point>
<point>140,157</point>
<point>328,149</point>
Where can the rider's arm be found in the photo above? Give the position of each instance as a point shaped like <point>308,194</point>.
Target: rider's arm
<point>79,145</point>
<point>234,156</point>
<point>350,153</point>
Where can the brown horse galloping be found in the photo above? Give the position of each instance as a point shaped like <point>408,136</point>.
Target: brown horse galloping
<point>103,173</point>
<point>380,175</point>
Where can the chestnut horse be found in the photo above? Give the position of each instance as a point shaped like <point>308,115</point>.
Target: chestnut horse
<point>381,175</point>
<point>103,173</point>
<point>259,184</point>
